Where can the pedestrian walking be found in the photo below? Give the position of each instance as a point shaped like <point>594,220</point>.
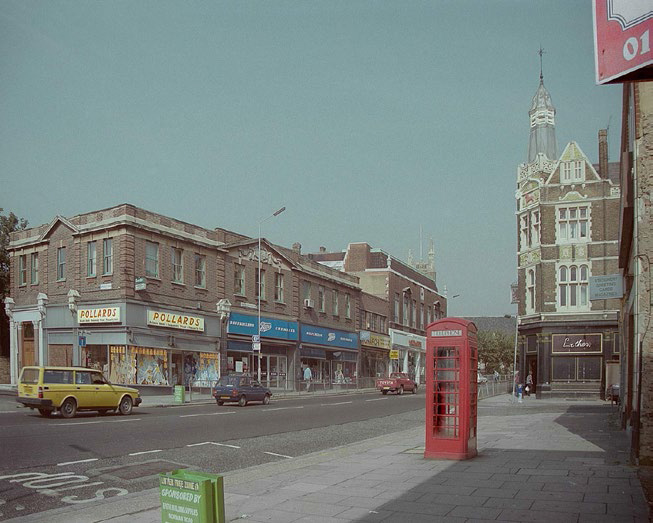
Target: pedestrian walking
<point>496,375</point>
<point>308,376</point>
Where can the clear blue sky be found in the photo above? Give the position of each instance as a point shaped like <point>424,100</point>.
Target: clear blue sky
<point>366,119</point>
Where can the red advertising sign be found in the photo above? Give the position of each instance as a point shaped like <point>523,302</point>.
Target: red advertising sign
<point>623,35</point>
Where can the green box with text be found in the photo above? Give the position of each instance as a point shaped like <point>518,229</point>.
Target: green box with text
<point>191,497</point>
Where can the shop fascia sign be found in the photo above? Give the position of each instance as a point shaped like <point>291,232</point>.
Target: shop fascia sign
<point>175,321</point>
<point>99,315</point>
<point>329,337</point>
<point>407,339</point>
<point>577,343</point>
<point>270,327</point>
<point>375,340</point>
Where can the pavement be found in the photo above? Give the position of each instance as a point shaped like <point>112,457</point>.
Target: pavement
<point>539,460</point>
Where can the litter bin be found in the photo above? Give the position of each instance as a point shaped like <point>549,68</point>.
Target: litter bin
<point>192,497</point>
<point>180,392</point>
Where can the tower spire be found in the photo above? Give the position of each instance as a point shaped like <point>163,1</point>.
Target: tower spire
<point>542,116</point>
<point>541,52</point>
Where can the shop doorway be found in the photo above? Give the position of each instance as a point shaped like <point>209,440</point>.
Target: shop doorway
<point>274,370</point>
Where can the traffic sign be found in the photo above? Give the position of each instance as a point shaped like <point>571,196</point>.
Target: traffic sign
<point>82,341</point>
<point>256,346</point>
<point>256,338</point>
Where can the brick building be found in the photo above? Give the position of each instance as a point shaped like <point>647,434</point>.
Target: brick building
<point>635,254</point>
<point>412,298</point>
<point>567,233</point>
<point>135,293</point>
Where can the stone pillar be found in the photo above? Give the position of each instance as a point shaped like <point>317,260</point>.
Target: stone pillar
<point>36,324</point>
<point>13,351</point>
<point>19,352</point>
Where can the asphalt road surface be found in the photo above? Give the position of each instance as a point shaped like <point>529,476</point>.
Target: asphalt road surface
<point>50,462</point>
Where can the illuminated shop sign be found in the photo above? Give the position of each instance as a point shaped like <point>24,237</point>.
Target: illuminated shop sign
<point>577,343</point>
<point>175,321</point>
<point>99,315</point>
<point>270,327</point>
<point>329,337</point>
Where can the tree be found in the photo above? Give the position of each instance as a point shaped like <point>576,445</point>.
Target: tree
<point>496,350</point>
<point>8,224</point>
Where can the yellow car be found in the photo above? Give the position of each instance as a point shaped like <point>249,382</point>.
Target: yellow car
<point>69,389</point>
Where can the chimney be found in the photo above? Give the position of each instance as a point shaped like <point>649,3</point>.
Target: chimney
<point>297,247</point>
<point>322,250</point>
<point>603,153</point>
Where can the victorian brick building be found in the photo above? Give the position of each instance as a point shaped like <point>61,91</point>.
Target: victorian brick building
<point>567,232</point>
<point>135,293</point>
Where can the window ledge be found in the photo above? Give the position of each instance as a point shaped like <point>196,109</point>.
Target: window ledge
<point>179,283</point>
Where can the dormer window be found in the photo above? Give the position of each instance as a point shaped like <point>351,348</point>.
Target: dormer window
<point>573,171</point>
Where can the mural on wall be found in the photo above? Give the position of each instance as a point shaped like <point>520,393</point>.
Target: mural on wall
<point>208,368</point>
<point>152,366</point>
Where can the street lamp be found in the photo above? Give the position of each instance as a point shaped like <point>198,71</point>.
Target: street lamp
<point>73,296</point>
<point>258,324</point>
<point>224,309</point>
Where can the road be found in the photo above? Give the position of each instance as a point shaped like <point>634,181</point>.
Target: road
<point>50,462</point>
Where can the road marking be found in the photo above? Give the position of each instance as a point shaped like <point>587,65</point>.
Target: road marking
<point>377,399</point>
<point>280,455</point>
<point>122,420</point>
<point>73,423</point>
<point>145,452</point>
<point>207,414</point>
<point>212,443</point>
<point>74,462</point>
<point>339,403</point>
<point>282,408</point>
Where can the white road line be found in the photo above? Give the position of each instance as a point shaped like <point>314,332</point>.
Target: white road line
<point>74,462</point>
<point>225,445</point>
<point>275,454</point>
<point>339,403</point>
<point>75,423</point>
<point>377,399</point>
<point>207,414</point>
<point>212,443</point>
<point>122,420</point>
<point>198,444</point>
<point>145,452</point>
<point>281,408</point>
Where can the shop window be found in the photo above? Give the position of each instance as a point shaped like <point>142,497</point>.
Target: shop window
<point>200,271</point>
<point>34,266</point>
<point>152,259</point>
<point>61,264</point>
<point>107,256</point>
<point>22,270</point>
<point>91,253</point>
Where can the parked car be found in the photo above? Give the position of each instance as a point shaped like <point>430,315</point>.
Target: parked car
<point>397,382</point>
<point>241,389</point>
<point>480,378</point>
<point>71,389</point>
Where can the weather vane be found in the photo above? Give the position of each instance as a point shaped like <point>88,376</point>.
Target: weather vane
<point>541,52</point>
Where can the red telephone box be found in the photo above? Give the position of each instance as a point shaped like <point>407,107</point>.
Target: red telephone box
<point>451,389</point>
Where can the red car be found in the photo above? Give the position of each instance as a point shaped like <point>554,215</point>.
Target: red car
<point>397,382</point>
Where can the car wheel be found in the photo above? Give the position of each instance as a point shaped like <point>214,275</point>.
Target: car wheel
<point>220,403</point>
<point>242,401</point>
<point>46,413</point>
<point>266,399</point>
<point>415,389</point>
<point>384,392</point>
<point>126,406</point>
<point>401,390</point>
<point>68,408</point>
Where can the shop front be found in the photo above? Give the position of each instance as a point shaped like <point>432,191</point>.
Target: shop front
<point>134,344</point>
<point>278,346</point>
<point>375,354</point>
<point>412,349</point>
<point>331,354</point>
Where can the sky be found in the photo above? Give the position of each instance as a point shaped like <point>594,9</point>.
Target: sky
<point>386,122</point>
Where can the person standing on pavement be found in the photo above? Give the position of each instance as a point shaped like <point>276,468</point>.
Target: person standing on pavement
<point>529,383</point>
<point>308,376</point>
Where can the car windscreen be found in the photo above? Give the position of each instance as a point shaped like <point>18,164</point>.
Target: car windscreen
<point>29,376</point>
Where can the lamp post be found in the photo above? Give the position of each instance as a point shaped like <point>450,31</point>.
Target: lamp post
<point>258,323</point>
<point>73,296</point>
<point>224,310</point>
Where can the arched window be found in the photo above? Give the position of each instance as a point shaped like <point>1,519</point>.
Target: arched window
<point>572,286</point>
